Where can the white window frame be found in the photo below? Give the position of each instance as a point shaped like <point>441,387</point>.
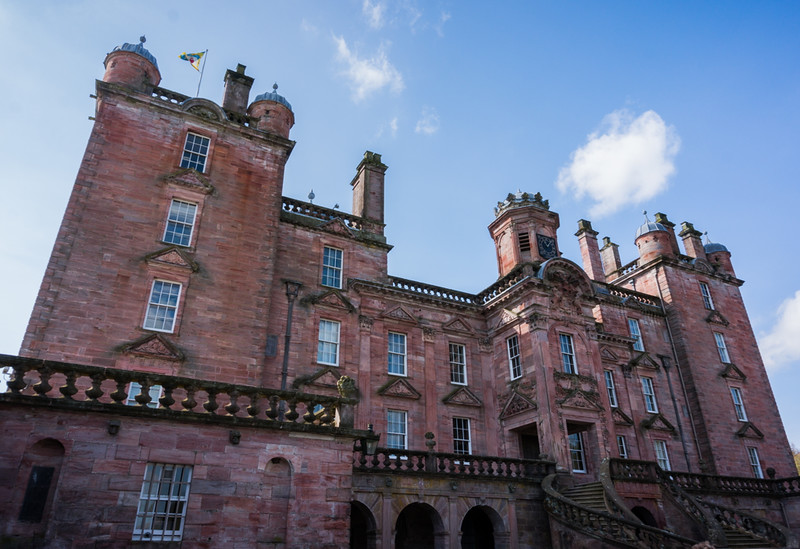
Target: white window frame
<point>195,152</point>
<point>458,363</point>
<point>577,452</point>
<point>708,301</point>
<point>462,439</point>
<point>163,500</point>
<point>397,429</point>
<point>135,388</point>
<point>328,342</point>
<point>397,354</point>
<point>649,392</point>
<point>611,388</point>
<point>567,346</point>
<point>622,446</point>
<point>180,223</point>
<point>332,264</point>
<point>514,357</point>
<point>722,348</point>
<point>636,332</point>
<point>738,404</point>
<point>662,454</point>
<point>755,462</point>
<point>162,307</point>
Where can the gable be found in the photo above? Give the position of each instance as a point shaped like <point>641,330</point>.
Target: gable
<point>608,355</point>
<point>644,360</point>
<point>715,317</point>
<point>153,346</point>
<point>400,388</point>
<point>462,396</point>
<point>750,431</point>
<point>730,371</point>
<point>337,226</point>
<point>326,377</point>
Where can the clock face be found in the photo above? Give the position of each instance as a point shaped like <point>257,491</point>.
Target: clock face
<point>547,246</point>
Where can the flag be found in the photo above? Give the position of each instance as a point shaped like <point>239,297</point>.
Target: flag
<point>193,58</point>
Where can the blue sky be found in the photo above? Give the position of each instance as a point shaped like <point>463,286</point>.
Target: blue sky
<point>606,108</point>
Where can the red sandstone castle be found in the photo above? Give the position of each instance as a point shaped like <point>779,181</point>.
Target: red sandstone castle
<point>210,363</point>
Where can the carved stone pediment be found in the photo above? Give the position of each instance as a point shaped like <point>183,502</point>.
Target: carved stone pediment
<point>643,360</point>
<point>399,387</point>
<point>732,372</point>
<point>204,109</point>
<point>657,422</point>
<point>579,398</point>
<point>750,431</point>
<point>401,314</point>
<point>337,226</point>
<point>516,405</point>
<point>330,298</point>
<point>462,396</point>
<point>174,257</point>
<point>715,317</point>
<point>608,355</point>
<point>620,417</point>
<point>325,377</point>
<point>458,325</point>
<point>191,179</point>
<point>154,346</point>
<point>703,266</point>
<point>569,284</point>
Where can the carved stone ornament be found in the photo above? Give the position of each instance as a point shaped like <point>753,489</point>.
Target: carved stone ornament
<point>715,317</point>
<point>581,399</point>
<point>732,372</point>
<point>644,360</point>
<point>191,179</point>
<point>608,355</point>
<point>365,323</point>
<point>330,298</point>
<point>399,313</point>
<point>172,256</point>
<point>458,325</point>
<point>203,108</point>
<point>657,422</point>
<point>347,387</point>
<point>153,346</point>
<point>516,405</point>
<point>337,226</point>
<point>325,377</point>
<point>462,396</point>
<point>428,334</point>
<point>485,345</point>
<point>750,431</point>
<point>399,388</point>
<point>620,417</point>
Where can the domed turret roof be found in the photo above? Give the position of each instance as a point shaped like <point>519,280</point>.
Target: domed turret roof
<point>712,247</point>
<point>274,96</point>
<point>649,227</point>
<point>138,49</point>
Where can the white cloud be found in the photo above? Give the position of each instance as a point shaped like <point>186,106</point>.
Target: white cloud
<point>428,123</point>
<point>443,18</point>
<point>393,126</point>
<point>374,13</point>
<point>781,345</point>
<point>368,75</point>
<point>308,27</point>
<point>628,162</point>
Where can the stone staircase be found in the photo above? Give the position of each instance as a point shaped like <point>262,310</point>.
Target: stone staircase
<point>589,495</point>
<point>742,540</point>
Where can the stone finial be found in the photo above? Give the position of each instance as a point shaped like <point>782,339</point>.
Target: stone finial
<point>347,387</point>
<point>521,199</point>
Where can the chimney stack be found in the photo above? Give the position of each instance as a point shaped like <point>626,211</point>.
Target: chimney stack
<point>587,240</point>
<point>237,90</point>
<point>610,255</point>
<point>692,242</point>
<point>368,190</point>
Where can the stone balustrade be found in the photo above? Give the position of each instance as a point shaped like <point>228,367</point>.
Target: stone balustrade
<point>429,290</point>
<point>326,214</point>
<point>514,277</point>
<point>59,384</point>
<point>391,460</point>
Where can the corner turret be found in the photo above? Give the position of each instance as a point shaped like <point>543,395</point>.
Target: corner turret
<point>133,66</point>
<point>653,240</point>
<point>274,113</point>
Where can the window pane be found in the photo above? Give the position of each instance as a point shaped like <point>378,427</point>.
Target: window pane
<point>633,326</point>
<point>458,364</point>
<point>649,395</point>
<point>576,453</point>
<point>195,151</point>
<point>328,343</point>
<point>397,353</point>
<point>611,389</point>
<point>162,502</point>
<point>567,354</point>
<point>396,429</point>
<point>332,267</point>
<point>162,306</point>
<point>180,222</point>
<point>514,361</point>
<point>461,440</point>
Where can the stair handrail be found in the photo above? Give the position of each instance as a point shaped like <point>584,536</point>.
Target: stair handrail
<point>604,525</point>
<point>752,525</point>
<point>613,500</point>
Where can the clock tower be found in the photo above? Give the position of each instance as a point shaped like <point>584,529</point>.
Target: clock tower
<point>524,231</point>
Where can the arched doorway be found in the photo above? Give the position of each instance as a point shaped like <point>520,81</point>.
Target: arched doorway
<point>419,526</point>
<point>479,529</point>
<point>363,533</point>
<point>643,514</point>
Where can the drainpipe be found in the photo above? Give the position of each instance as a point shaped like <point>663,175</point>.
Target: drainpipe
<point>665,363</point>
<point>292,289</point>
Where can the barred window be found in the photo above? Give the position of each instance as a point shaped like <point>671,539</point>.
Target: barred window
<point>162,502</point>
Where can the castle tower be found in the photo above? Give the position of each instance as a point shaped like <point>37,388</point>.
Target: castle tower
<point>524,231</point>
<point>169,236</point>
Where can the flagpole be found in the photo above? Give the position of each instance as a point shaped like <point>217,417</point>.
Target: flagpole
<point>205,56</point>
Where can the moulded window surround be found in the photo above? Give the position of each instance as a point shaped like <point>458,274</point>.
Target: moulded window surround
<point>755,463</point>
<point>649,393</point>
<point>180,223</point>
<point>332,267</point>
<point>722,348</point>
<point>633,327</point>
<point>458,364</point>
<point>738,404</point>
<point>162,307</point>
<point>134,389</point>
<point>514,359</point>
<point>462,443</point>
<point>397,429</point>
<point>577,454</point>
<point>195,152</point>
<point>397,353</point>
<point>705,291</point>
<point>662,456</point>
<point>162,502</point>
<point>328,342</point>
<point>567,354</point>
<point>611,388</point>
<point>622,446</point>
